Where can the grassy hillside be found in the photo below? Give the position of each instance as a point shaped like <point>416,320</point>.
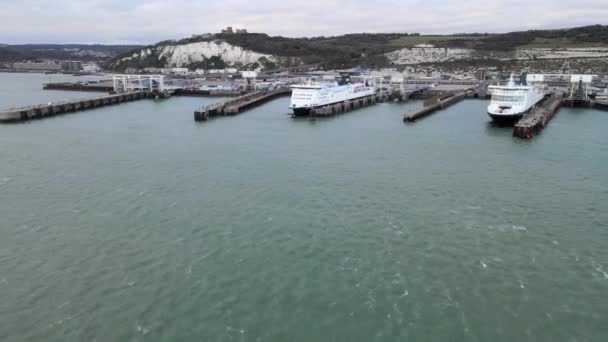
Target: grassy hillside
<point>9,55</point>
<point>13,53</point>
<point>370,49</point>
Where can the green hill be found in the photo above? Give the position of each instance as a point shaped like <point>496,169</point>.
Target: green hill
<point>31,52</point>
<point>357,49</point>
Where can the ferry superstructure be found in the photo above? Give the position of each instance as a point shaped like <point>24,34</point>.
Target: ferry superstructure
<point>311,94</point>
<point>510,102</point>
<point>603,96</point>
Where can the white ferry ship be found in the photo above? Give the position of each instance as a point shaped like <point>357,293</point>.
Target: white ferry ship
<point>510,102</point>
<point>311,95</point>
<point>603,96</point>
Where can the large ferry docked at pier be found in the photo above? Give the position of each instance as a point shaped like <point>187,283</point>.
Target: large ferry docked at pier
<point>305,97</point>
<point>510,102</point>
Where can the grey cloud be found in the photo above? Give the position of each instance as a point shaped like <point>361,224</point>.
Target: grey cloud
<point>147,21</point>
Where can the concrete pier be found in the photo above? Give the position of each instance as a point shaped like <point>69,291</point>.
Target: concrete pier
<point>239,104</point>
<point>207,93</point>
<point>403,94</point>
<point>574,101</point>
<point>439,102</point>
<point>57,108</point>
<point>534,121</point>
<point>349,105</point>
<point>102,86</point>
<point>601,104</point>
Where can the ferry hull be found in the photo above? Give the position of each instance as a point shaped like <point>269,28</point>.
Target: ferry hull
<point>308,97</point>
<point>301,111</point>
<point>511,102</point>
<point>510,119</point>
<point>305,111</point>
<point>505,120</point>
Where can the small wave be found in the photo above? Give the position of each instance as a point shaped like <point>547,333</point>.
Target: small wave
<point>501,227</point>
<point>143,330</point>
<point>230,329</point>
<point>520,228</point>
<point>599,269</point>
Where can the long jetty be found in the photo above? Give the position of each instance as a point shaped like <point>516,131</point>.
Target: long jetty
<point>535,120</point>
<point>102,86</point>
<point>207,93</point>
<point>239,104</point>
<point>438,102</point>
<point>107,86</point>
<point>57,108</point>
<point>349,105</point>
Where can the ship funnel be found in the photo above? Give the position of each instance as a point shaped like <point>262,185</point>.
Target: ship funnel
<point>511,81</point>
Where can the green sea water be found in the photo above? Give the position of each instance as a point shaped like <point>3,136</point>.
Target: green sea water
<point>134,223</point>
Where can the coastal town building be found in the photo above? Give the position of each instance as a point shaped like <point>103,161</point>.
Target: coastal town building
<point>32,66</point>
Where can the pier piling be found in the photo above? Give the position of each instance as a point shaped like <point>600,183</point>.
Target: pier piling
<point>56,108</point>
<point>436,103</point>
<point>348,105</point>
<point>534,121</point>
<point>239,104</point>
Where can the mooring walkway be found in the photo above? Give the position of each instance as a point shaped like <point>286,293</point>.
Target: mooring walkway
<point>106,87</point>
<point>101,86</point>
<point>57,108</point>
<point>348,105</point>
<point>438,102</point>
<point>239,104</point>
<point>535,120</point>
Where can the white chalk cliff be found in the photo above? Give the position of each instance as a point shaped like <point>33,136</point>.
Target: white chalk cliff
<point>184,54</point>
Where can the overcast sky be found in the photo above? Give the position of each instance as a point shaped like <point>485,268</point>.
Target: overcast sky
<point>148,21</point>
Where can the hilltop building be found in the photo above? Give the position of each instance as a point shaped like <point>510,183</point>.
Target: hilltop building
<point>231,30</point>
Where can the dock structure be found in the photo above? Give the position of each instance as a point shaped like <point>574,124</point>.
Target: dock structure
<point>579,95</point>
<point>349,105</point>
<point>535,120</point>
<point>438,102</point>
<point>108,87</point>
<point>602,104</point>
<point>57,108</point>
<point>579,102</point>
<point>403,93</point>
<point>208,93</point>
<point>239,104</point>
<point>102,86</point>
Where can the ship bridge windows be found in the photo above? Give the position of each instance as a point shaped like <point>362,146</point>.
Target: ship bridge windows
<point>509,99</point>
<point>302,96</point>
